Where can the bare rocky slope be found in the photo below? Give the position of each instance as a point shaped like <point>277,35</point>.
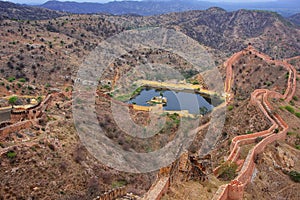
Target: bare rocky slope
<point>55,48</point>
<point>295,18</point>
<point>43,56</point>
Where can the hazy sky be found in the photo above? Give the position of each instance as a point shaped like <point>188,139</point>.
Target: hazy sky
<point>103,1</point>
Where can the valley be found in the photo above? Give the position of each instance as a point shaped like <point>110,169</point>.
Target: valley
<point>242,141</point>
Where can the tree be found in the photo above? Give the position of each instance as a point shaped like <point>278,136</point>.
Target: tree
<point>203,110</point>
<point>12,100</point>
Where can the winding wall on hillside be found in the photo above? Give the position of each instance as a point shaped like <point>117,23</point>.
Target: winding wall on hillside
<point>235,189</point>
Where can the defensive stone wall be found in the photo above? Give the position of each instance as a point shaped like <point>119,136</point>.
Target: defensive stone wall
<point>113,194</point>
<point>15,127</point>
<point>235,189</point>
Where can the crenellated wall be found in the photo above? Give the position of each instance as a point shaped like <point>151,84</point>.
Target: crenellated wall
<point>4,124</point>
<point>34,112</point>
<point>24,118</point>
<point>15,127</point>
<point>235,189</point>
<point>113,194</point>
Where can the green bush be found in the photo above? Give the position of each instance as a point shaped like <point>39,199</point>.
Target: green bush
<point>292,103</point>
<point>290,109</point>
<point>11,79</point>
<point>47,85</point>
<point>297,114</point>
<point>287,75</point>
<point>258,139</point>
<point>295,98</point>
<point>11,154</point>
<point>295,176</point>
<point>137,91</point>
<point>12,100</point>
<point>117,184</point>
<point>40,99</point>
<point>290,133</point>
<point>195,82</point>
<point>22,80</point>
<point>227,171</point>
<point>230,107</point>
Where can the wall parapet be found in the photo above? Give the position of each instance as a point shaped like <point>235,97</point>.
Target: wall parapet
<point>235,189</point>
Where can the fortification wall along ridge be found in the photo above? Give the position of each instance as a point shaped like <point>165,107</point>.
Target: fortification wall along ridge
<point>235,189</point>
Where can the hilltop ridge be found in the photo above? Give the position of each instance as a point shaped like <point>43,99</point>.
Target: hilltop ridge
<point>21,12</point>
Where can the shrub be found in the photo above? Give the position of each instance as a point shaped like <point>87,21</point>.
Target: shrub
<point>295,176</point>
<point>230,107</point>
<point>290,133</point>
<point>117,184</point>
<point>287,75</point>
<point>11,154</point>
<point>295,98</point>
<point>12,100</point>
<point>22,80</point>
<point>195,82</point>
<point>258,139</point>
<point>290,109</point>
<point>11,79</point>
<point>39,99</point>
<point>227,171</point>
<point>297,114</point>
<point>203,110</point>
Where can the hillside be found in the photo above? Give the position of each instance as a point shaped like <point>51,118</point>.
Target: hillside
<point>42,57</point>
<point>14,11</point>
<point>295,18</point>
<point>229,32</point>
<point>126,7</point>
<point>39,54</point>
<point>155,7</point>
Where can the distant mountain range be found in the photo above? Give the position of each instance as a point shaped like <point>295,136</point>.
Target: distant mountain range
<point>154,7</point>
<point>54,9</point>
<point>15,11</point>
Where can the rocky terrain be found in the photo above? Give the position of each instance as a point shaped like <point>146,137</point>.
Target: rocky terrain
<point>295,18</point>
<point>41,57</point>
